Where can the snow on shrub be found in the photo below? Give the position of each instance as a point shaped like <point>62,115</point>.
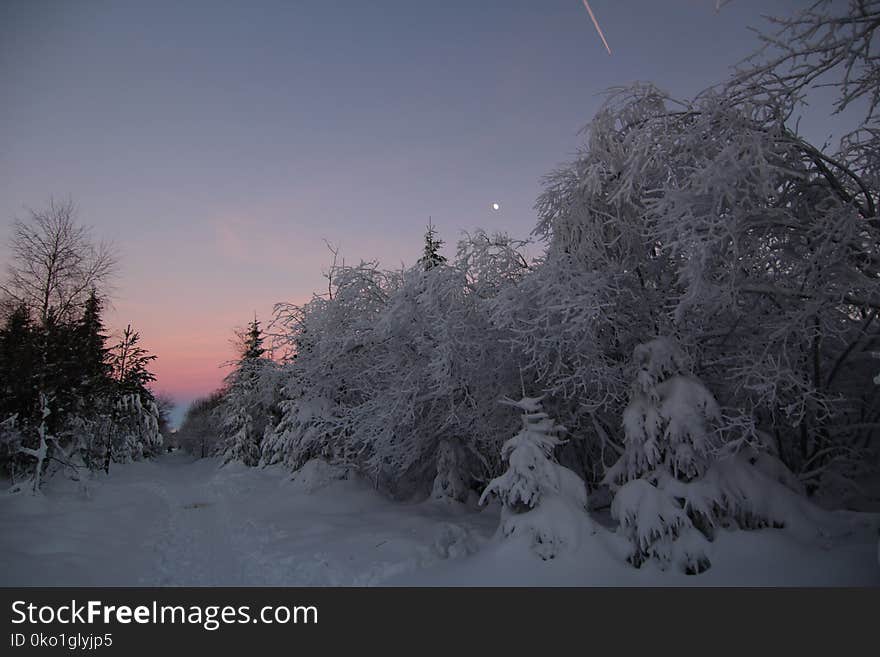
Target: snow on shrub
<point>542,501</point>
<point>318,473</point>
<point>452,541</point>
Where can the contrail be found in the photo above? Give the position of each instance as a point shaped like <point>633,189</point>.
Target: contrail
<point>596,23</point>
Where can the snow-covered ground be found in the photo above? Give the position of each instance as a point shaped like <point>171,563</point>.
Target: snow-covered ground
<point>176,521</point>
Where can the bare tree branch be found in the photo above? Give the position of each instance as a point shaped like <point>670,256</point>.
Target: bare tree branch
<point>56,263</point>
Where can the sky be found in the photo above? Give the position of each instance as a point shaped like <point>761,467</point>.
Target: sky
<point>222,145</point>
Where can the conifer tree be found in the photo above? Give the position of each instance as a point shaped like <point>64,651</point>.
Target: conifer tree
<point>18,390</point>
<point>431,256</point>
<point>58,373</point>
<point>130,363</point>
<point>669,445</point>
<point>543,502</point>
<point>17,365</point>
<point>134,429</point>
<point>93,354</point>
<point>246,412</point>
<point>254,341</point>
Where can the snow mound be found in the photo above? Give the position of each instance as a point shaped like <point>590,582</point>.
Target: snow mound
<point>554,527</point>
<point>318,473</point>
<point>452,541</point>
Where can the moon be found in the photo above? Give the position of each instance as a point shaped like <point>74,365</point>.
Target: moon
<point>496,206</point>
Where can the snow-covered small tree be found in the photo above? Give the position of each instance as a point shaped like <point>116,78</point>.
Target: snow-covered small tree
<point>669,429</point>
<point>542,502</point>
<point>432,256</point>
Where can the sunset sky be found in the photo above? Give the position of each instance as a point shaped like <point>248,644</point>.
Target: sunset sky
<point>219,144</point>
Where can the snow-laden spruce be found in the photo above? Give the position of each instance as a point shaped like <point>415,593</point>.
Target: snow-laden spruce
<point>543,503</point>
<point>670,436</point>
<point>682,475</point>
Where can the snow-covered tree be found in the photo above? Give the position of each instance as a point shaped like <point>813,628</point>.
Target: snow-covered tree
<point>670,428</point>
<point>130,363</point>
<point>687,467</point>
<point>669,420</point>
<point>712,220</point>
<point>829,47</point>
<point>134,432</point>
<point>247,407</point>
<point>72,398</point>
<point>390,365</point>
<point>567,327</point>
<point>431,257</point>
<point>328,341</point>
<point>827,43</point>
<point>132,427</point>
<point>542,502</point>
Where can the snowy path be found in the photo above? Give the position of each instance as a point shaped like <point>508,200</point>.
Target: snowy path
<point>194,548</point>
<point>179,522</point>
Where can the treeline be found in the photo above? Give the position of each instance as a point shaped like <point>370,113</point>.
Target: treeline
<point>71,398</point>
<point>199,433</point>
<point>703,322</point>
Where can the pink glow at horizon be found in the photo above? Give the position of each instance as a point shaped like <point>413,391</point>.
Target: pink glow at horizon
<point>190,327</point>
<point>187,302</point>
